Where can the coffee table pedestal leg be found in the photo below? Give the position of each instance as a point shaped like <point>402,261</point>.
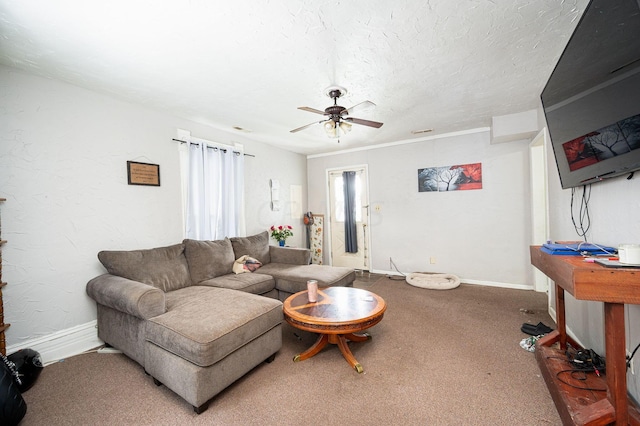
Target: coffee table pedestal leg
<point>320,343</point>
<point>341,341</point>
<point>346,352</point>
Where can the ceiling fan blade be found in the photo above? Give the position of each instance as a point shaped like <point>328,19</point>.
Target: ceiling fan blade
<point>317,111</point>
<point>361,107</point>
<point>362,122</point>
<point>306,125</point>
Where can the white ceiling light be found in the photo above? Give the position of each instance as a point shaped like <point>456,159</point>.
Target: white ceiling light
<point>330,129</point>
<point>345,127</point>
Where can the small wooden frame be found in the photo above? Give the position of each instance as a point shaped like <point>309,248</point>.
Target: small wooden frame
<point>143,174</point>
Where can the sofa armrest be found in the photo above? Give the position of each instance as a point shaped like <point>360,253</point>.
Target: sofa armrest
<point>290,255</point>
<point>128,296</point>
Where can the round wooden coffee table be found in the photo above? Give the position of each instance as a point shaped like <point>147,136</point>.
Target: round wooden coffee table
<point>337,316</point>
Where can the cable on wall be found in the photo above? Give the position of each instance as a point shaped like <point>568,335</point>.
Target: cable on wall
<point>583,219</point>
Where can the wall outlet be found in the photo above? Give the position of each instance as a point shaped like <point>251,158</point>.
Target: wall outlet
<point>630,363</point>
<point>432,260</point>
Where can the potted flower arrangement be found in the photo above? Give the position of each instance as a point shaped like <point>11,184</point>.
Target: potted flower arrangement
<point>281,233</point>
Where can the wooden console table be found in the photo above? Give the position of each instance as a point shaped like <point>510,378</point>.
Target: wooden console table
<point>589,281</point>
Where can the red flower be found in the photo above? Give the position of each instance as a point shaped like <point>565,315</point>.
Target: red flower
<point>281,233</point>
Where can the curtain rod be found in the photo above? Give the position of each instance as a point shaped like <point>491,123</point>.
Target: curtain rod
<point>212,147</point>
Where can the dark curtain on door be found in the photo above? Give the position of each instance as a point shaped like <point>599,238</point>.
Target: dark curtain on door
<point>350,233</point>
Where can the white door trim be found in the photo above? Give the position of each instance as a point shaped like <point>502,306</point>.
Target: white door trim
<point>538,178</point>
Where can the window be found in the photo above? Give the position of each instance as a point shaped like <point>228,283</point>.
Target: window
<point>213,189</point>
<point>339,198</point>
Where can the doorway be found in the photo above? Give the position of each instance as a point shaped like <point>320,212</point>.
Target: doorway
<point>339,256</point>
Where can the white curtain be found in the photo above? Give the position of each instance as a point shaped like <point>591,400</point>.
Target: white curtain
<point>213,190</point>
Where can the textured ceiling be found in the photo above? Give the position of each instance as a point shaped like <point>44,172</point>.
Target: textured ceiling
<point>441,64</point>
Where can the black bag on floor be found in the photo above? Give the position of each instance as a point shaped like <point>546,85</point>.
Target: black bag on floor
<point>12,405</point>
<point>28,364</point>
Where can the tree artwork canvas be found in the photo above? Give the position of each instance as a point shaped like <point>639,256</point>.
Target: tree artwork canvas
<point>450,178</point>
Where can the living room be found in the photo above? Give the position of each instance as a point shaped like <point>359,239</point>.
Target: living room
<point>63,171</point>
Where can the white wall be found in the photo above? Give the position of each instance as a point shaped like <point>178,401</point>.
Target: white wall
<point>480,235</point>
<point>63,154</point>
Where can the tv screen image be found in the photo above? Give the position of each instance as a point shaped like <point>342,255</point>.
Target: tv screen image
<point>592,99</point>
<point>608,142</point>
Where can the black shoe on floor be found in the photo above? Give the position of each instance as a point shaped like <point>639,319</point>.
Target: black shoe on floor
<point>535,330</point>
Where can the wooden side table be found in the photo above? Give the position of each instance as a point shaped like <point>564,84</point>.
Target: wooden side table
<point>589,281</point>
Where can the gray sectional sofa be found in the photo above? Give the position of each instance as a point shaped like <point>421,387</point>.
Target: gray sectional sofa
<point>191,322</point>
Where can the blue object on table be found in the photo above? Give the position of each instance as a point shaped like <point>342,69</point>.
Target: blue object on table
<point>576,249</point>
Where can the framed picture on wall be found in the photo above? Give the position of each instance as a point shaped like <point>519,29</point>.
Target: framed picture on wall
<point>461,177</point>
<point>143,173</point>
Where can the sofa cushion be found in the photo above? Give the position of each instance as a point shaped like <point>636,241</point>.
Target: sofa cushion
<point>292,255</point>
<point>255,246</point>
<point>293,278</point>
<point>163,267</point>
<point>251,282</point>
<point>205,324</point>
<point>208,259</point>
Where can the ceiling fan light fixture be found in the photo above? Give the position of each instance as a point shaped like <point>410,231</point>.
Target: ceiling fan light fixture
<point>331,129</point>
<point>338,120</point>
<point>345,127</point>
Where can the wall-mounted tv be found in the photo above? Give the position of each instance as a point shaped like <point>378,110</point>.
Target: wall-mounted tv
<point>592,99</point>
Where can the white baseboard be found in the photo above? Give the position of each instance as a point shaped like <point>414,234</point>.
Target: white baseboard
<point>468,281</point>
<point>497,284</point>
<point>62,344</point>
<point>552,314</point>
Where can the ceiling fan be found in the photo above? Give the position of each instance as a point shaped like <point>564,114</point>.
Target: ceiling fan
<point>338,119</point>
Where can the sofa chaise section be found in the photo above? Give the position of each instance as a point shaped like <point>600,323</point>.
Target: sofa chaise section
<point>197,355</point>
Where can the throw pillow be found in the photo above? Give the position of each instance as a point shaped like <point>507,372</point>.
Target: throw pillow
<point>246,264</point>
<point>256,246</point>
<point>209,259</point>
<point>163,267</point>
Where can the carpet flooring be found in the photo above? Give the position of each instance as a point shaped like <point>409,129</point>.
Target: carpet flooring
<point>447,357</point>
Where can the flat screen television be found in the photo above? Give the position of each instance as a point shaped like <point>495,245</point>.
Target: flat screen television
<point>592,99</point>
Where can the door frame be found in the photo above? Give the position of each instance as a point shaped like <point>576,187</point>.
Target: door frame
<point>538,178</point>
<point>329,213</point>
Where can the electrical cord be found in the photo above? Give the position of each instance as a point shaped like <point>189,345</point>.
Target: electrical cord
<point>578,248</point>
<point>584,361</point>
<point>629,358</point>
<point>394,278</point>
<point>584,219</point>
<point>572,372</point>
<point>591,363</point>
